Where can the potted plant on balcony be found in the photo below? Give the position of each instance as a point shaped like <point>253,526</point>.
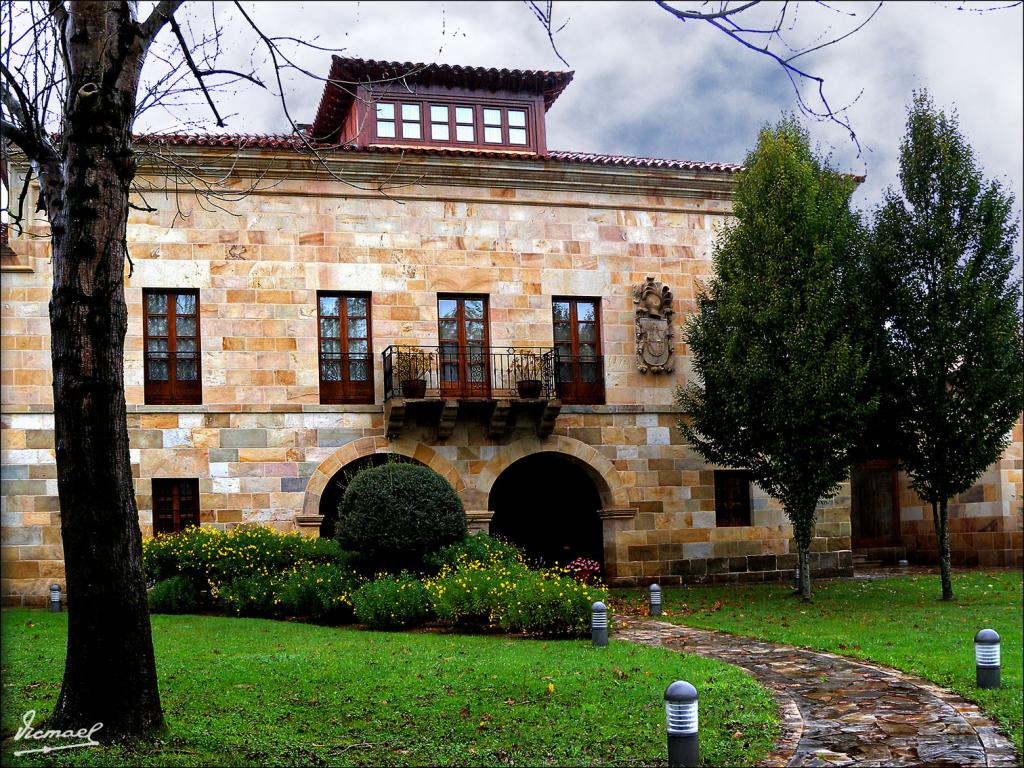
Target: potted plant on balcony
<point>411,368</point>
<point>527,367</point>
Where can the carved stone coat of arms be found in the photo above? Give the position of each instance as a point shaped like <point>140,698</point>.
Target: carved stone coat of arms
<point>655,351</point>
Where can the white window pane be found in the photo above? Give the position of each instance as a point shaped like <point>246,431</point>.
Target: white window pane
<point>464,132</point>
<point>411,112</point>
<point>385,129</point>
<point>517,118</point>
<point>385,111</point>
<point>492,117</point>
<point>411,131</point>
<point>464,115</point>
<point>329,305</point>
<point>157,303</point>
<point>492,135</point>
<point>439,131</point>
<point>438,114</point>
<point>516,135</point>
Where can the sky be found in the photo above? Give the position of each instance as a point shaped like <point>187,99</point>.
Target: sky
<point>647,84</point>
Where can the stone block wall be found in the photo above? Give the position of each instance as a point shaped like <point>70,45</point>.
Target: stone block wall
<point>986,523</point>
<point>264,448</point>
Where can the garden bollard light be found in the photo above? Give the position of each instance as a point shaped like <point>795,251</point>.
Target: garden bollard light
<point>986,658</point>
<point>904,563</point>
<point>599,624</point>
<point>655,601</point>
<point>796,578</point>
<point>55,598</point>
<point>681,718</point>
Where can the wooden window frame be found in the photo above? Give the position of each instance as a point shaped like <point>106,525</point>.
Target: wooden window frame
<point>180,516</point>
<point>577,391</point>
<point>172,391</point>
<point>451,99</point>
<point>463,387</point>
<point>345,391</point>
<point>742,480</point>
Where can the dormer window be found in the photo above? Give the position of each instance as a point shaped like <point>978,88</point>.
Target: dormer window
<point>465,123</point>
<point>386,121</point>
<point>433,122</point>
<point>439,123</point>
<point>411,127</point>
<point>436,106</point>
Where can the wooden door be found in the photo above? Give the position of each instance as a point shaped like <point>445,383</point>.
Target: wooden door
<point>463,346</point>
<point>577,332</point>
<point>875,505</point>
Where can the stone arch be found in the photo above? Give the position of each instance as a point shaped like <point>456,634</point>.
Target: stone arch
<point>366,446</point>
<point>601,470</point>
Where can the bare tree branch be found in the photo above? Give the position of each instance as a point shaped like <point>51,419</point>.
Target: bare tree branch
<point>160,15</point>
<point>195,70</point>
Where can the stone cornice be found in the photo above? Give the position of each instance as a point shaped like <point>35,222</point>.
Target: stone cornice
<point>391,173</point>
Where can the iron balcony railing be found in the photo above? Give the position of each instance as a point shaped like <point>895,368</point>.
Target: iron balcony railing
<point>448,371</point>
<point>477,372</point>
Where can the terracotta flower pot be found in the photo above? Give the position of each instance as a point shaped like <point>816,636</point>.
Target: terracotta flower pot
<point>529,388</point>
<point>414,389</point>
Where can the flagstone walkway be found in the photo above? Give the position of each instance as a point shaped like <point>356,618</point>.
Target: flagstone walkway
<point>837,711</point>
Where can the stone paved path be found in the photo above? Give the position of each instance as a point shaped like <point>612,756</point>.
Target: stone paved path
<point>837,711</point>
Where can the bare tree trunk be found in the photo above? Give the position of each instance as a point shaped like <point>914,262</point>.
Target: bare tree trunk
<point>110,671</point>
<point>942,533</point>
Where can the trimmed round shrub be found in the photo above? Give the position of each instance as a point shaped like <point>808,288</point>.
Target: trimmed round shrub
<point>178,594</point>
<point>396,514</point>
<point>392,602</point>
<point>477,547</point>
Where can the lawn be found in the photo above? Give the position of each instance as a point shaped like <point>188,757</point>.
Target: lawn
<point>899,622</point>
<point>257,692</point>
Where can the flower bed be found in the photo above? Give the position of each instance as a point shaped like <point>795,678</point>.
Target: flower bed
<point>478,584</point>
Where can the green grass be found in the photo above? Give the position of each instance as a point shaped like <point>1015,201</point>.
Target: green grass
<point>255,692</point>
<point>898,622</point>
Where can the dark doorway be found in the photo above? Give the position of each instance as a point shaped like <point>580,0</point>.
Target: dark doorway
<point>874,505</point>
<point>335,489</point>
<point>548,505</point>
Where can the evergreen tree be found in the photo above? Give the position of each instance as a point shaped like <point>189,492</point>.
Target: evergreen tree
<point>780,378</point>
<point>943,245</point>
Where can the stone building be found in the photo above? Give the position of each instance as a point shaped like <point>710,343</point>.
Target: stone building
<point>420,229</point>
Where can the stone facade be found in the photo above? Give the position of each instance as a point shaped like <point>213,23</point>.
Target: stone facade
<point>520,231</point>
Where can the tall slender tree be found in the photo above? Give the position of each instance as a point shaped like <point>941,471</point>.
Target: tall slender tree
<point>780,378</point>
<point>943,250</point>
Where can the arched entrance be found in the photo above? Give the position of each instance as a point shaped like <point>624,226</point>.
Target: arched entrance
<point>333,492</point>
<point>548,504</point>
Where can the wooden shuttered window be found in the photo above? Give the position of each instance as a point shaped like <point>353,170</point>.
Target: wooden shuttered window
<point>175,504</point>
<point>346,359</point>
<point>172,364</point>
<point>732,497</point>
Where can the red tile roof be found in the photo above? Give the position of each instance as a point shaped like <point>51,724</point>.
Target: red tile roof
<point>294,143</point>
<point>337,100</point>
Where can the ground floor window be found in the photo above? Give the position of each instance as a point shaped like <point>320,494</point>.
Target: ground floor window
<point>732,497</point>
<point>175,504</point>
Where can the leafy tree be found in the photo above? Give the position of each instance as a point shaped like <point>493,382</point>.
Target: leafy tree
<point>780,384</point>
<point>943,253</point>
